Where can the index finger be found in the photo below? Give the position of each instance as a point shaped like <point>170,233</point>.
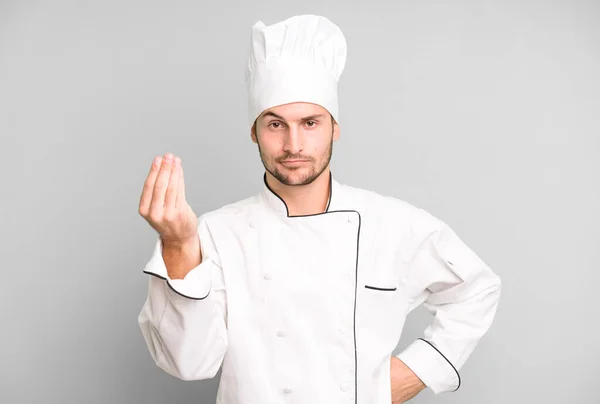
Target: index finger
<point>146,197</point>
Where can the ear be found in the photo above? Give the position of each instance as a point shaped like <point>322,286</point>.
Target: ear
<point>336,131</point>
<point>253,133</point>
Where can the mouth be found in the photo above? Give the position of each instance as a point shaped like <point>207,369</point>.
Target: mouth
<point>294,161</point>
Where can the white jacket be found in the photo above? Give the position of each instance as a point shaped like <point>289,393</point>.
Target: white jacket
<point>308,309</point>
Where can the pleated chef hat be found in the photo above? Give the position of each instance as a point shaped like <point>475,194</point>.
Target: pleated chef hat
<point>299,59</point>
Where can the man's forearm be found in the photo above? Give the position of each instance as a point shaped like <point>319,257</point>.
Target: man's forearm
<point>181,258</point>
<point>405,384</point>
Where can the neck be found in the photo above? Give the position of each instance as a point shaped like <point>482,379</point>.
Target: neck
<point>306,199</point>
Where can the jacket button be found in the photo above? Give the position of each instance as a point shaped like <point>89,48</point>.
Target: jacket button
<point>287,390</point>
<point>267,277</point>
<point>280,334</point>
<point>344,386</point>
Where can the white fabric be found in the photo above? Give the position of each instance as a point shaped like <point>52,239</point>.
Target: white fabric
<point>299,59</point>
<point>286,305</point>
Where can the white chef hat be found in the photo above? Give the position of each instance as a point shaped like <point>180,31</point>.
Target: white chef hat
<point>299,59</point>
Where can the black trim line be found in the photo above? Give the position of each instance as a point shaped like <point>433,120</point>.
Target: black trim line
<point>330,192</point>
<point>354,320</point>
<point>287,211</point>
<point>173,289</point>
<point>376,288</point>
<point>327,211</point>
<point>433,346</point>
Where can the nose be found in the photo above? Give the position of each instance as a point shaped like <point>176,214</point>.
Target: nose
<point>293,141</point>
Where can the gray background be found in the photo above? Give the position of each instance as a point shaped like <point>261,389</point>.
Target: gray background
<point>484,113</point>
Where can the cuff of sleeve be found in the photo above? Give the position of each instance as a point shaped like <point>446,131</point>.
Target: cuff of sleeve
<point>195,285</point>
<point>431,366</point>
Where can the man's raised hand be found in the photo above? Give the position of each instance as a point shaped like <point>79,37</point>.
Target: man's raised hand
<point>163,202</point>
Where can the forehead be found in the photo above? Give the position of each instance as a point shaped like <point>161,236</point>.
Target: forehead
<point>295,111</point>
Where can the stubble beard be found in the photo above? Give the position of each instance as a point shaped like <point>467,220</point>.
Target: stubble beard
<point>311,174</point>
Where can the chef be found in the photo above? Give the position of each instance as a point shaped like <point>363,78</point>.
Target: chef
<point>299,293</point>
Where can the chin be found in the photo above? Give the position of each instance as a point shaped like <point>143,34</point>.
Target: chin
<point>298,181</point>
<point>295,177</point>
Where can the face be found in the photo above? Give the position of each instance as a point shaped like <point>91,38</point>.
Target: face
<point>295,141</point>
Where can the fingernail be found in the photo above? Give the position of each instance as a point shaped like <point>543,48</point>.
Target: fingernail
<point>156,161</point>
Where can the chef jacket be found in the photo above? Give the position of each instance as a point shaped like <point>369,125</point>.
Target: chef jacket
<point>309,309</point>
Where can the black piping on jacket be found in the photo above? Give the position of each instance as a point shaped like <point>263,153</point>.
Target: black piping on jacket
<point>287,211</point>
<point>327,211</point>
<point>356,277</point>
<point>173,289</point>
<point>444,356</point>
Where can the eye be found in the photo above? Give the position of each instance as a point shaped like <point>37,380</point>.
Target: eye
<point>275,125</point>
<point>311,124</point>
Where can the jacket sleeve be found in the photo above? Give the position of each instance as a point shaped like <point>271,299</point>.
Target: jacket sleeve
<point>462,293</point>
<point>183,321</point>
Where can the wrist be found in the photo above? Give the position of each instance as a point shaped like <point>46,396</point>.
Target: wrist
<point>181,256</point>
<point>180,244</point>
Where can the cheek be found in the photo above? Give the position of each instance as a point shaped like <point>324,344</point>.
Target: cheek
<point>320,144</point>
<point>270,146</point>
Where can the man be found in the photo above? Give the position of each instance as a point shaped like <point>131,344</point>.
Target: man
<point>300,292</point>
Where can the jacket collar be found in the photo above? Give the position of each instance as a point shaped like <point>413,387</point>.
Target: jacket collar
<point>276,203</point>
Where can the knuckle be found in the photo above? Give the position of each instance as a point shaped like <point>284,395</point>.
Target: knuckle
<point>170,215</point>
<point>155,217</point>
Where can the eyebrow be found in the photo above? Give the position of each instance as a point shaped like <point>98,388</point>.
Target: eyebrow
<point>308,118</point>
<point>273,114</point>
<point>316,116</point>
